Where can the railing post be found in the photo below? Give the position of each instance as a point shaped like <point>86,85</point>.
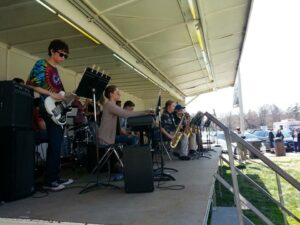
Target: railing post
<point>236,192</point>
<point>220,171</point>
<point>281,197</point>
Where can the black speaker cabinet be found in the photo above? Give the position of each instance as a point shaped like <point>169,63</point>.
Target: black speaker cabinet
<point>138,171</point>
<point>16,105</point>
<point>16,163</point>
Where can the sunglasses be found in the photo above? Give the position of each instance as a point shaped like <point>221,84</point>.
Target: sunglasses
<point>63,55</point>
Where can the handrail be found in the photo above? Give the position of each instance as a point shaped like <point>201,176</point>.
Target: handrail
<point>257,153</point>
<point>262,190</point>
<point>244,200</point>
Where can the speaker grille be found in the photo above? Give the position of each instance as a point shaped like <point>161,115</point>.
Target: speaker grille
<point>16,105</point>
<point>138,169</point>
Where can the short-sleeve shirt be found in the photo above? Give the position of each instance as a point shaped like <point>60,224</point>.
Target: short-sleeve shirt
<point>168,122</point>
<point>46,76</point>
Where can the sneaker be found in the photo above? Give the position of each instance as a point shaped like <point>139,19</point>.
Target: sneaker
<point>241,166</point>
<point>192,152</point>
<point>176,154</point>
<point>54,186</point>
<point>65,181</point>
<point>117,177</point>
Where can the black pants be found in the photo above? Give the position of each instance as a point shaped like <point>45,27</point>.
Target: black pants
<point>55,137</point>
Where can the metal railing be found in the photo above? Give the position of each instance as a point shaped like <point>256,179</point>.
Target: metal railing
<point>238,198</point>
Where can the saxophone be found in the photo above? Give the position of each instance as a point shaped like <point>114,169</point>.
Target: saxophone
<point>188,129</point>
<point>177,135</point>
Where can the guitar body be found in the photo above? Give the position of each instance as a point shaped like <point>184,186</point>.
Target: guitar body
<point>91,78</point>
<point>57,109</point>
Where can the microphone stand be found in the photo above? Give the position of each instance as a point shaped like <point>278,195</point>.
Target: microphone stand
<point>162,176</point>
<point>95,125</point>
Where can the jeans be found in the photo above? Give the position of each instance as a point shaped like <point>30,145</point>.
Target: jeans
<point>55,136</point>
<point>295,146</point>
<point>127,139</point>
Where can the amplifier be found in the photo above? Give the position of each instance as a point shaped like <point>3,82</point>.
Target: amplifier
<point>138,169</point>
<point>17,148</point>
<point>16,105</point>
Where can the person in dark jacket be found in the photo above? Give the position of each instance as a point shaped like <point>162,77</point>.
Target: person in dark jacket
<point>296,139</point>
<point>271,139</point>
<point>279,134</point>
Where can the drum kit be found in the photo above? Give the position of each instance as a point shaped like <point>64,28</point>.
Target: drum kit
<point>76,140</point>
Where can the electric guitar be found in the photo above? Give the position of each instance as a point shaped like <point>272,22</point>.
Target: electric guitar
<point>58,109</point>
<point>91,78</point>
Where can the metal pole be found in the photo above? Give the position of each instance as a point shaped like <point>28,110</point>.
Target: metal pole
<point>95,125</point>
<point>242,122</point>
<point>236,192</point>
<point>281,197</point>
<point>220,171</point>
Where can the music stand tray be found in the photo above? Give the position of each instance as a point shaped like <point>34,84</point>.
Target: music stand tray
<point>92,86</point>
<point>90,80</point>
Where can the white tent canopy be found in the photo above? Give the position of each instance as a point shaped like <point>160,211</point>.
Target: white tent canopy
<point>183,47</point>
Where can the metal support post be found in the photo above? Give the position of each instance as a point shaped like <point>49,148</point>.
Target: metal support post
<point>236,192</point>
<point>281,197</point>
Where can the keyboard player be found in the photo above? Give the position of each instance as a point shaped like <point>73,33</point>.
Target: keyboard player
<point>126,136</point>
<point>108,127</point>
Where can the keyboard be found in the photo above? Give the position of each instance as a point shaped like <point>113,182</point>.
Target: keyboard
<point>141,122</point>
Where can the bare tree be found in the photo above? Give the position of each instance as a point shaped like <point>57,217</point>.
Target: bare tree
<point>230,120</point>
<point>293,111</point>
<point>263,112</point>
<point>252,120</point>
<point>276,113</point>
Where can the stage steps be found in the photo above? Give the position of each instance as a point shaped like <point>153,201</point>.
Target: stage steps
<point>226,216</point>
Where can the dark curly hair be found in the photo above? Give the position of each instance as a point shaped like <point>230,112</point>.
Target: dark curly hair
<point>128,104</point>
<point>56,45</point>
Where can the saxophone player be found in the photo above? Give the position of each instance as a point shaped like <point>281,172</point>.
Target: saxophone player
<point>169,128</point>
<point>180,113</point>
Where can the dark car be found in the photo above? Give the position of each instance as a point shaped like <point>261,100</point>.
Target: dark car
<point>220,141</point>
<point>264,136</point>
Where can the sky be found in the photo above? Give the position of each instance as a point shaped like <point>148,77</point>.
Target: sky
<point>269,64</point>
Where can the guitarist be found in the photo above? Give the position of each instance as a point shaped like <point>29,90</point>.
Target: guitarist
<point>44,79</point>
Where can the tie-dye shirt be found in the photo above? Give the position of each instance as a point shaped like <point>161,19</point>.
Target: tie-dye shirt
<point>46,76</point>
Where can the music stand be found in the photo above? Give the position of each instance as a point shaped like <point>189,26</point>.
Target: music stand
<point>207,130</point>
<point>196,121</point>
<point>92,86</point>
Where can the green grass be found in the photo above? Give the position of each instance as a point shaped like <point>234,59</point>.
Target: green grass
<point>267,179</point>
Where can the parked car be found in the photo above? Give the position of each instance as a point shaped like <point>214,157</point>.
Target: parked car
<point>252,139</point>
<point>264,136</point>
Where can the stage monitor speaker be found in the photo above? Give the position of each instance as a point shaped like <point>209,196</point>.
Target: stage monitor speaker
<point>16,105</point>
<point>138,170</point>
<point>16,163</point>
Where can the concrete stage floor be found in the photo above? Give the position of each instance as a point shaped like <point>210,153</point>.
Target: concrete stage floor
<point>112,206</point>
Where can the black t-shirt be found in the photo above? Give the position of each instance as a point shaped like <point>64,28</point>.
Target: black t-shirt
<point>168,122</point>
